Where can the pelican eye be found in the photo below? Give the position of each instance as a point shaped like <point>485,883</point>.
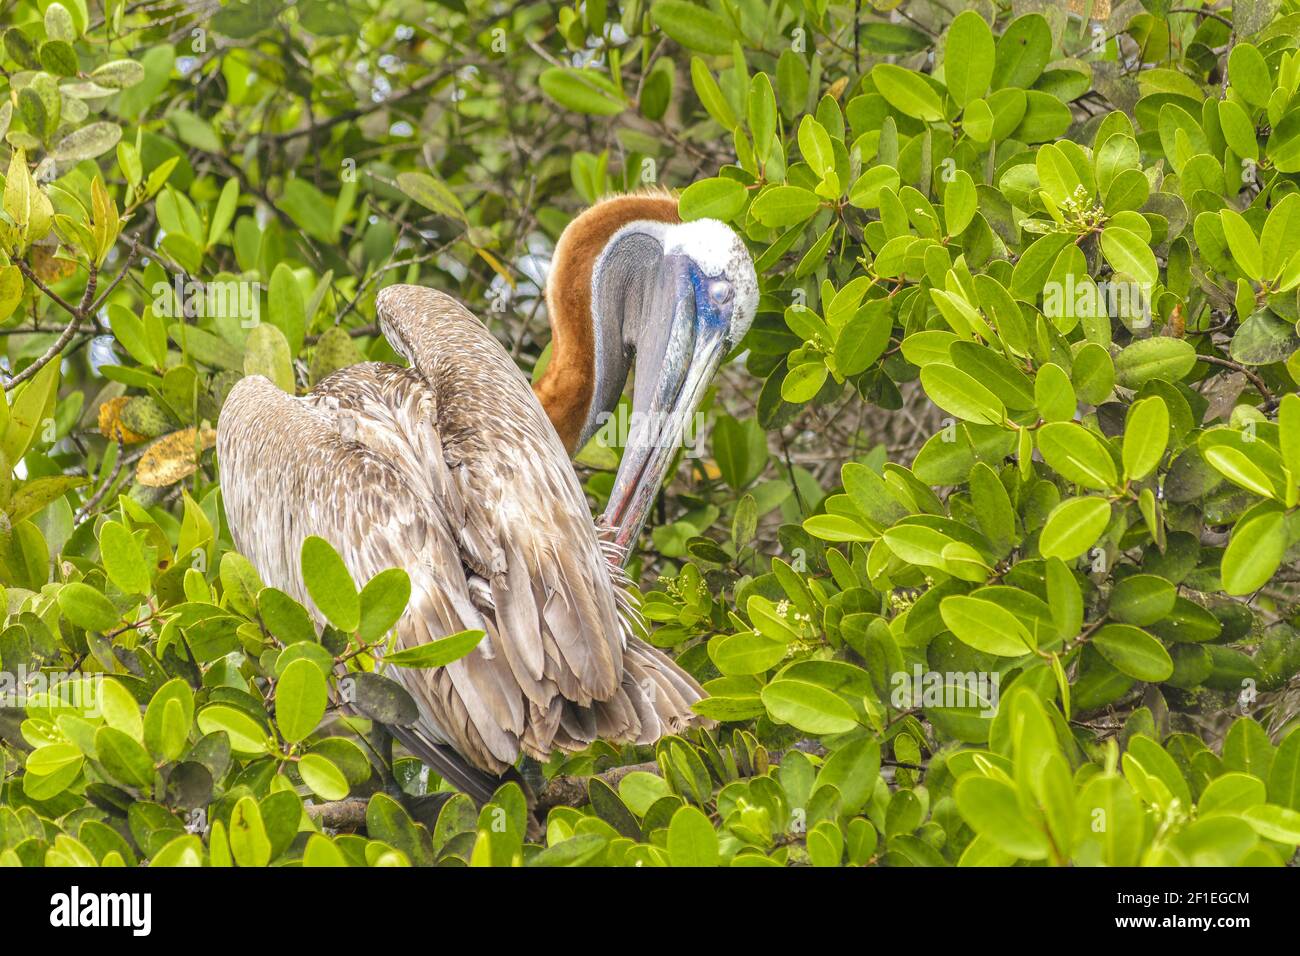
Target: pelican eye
<point>720,292</point>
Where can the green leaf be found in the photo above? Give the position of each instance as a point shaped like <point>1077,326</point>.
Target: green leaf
<point>693,27</point>
<point>747,653</point>
<point>301,697</point>
<point>267,353</point>
<point>324,779</point>
<point>1254,552</point>
<point>1280,824</point>
<point>1054,394</point>
<point>1284,775</point>
<point>716,198</point>
<point>246,736</point>
<point>288,313</point>
<point>714,102</point>
<point>1023,51</point>
<point>1281,236</point>
<point>33,496</point>
<point>1109,797</point>
<point>120,709</point>
<point>382,602</point>
<point>329,584</point>
<point>1243,243</point>
<point>1249,74</point>
<point>1238,130</point>
<point>1077,455</point>
<point>437,653</point>
<point>1240,467</point>
<point>1230,793</point>
<point>117,74</point>
<point>1156,358</point>
<point>804,381</point>
<point>837,528</point>
<point>249,844</point>
<point>27,409</point>
<point>1288,426</point>
<point>582,91</point>
<point>85,607</point>
<point>862,340</point>
<point>770,621</point>
<point>1283,146</point>
<point>853,770</point>
<point>785,205</point>
<point>986,626</point>
<point>239,583</point>
<point>1130,254</point>
<point>760,109</point>
<point>1264,338</point>
<point>1073,527</point>
<point>959,201</point>
<point>310,209</point>
<point>692,841</point>
<point>808,707</point>
<point>959,394</point>
<point>224,212</point>
<point>125,759</point>
<point>740,449</point>
<point>815,146</point>
<point>1134,652</point>
<point>1142,599</point>
<point>167,719</point>
<point>321,851</point>
<point>59,57</point>
<point>992,809</point>
<point>907,92</point>
<point>1146,434</point>
<point>88,142</point>
<point>284,617</point>
<point>968,57</point>
<point>434,195</point>
<point>866,189</point>
<point>51,758</point>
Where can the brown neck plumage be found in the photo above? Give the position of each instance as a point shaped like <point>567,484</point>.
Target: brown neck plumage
<point>568,385</point>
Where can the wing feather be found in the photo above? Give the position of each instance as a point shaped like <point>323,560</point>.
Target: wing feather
<point>451,470</point>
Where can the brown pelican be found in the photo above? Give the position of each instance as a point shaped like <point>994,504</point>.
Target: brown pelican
<point>450,469</point>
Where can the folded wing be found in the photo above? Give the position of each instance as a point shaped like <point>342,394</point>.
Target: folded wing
<point>451,470</point>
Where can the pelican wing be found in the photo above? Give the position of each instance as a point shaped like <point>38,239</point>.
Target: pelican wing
<point>451,470</point>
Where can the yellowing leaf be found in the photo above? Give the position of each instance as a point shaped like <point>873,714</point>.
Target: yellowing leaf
<point>110,422</point>
<point>173,457</point>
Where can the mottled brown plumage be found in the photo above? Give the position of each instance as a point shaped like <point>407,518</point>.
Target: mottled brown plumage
<point>451,470</point>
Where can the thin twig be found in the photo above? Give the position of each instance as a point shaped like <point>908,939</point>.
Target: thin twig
<point>1255,380</point>
<point>1203,13</point>
<point>93,501</point>
<point>130,257</point>
<point>77,312</point>
<point>424,83</point>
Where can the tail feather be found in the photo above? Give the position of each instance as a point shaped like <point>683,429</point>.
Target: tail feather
<point>446,763</point>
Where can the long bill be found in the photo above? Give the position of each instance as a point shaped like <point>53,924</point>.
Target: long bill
<point>654,438</point>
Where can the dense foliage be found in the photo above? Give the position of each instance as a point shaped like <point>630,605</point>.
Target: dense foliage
<point>986,551</point>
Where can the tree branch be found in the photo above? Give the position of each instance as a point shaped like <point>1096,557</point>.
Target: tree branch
<point>1249,373</point>
<point>1203,13</point>
<point>347,116</point>
<point>78,314</point>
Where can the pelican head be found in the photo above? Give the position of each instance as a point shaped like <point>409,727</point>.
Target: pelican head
<point>663,300</point>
